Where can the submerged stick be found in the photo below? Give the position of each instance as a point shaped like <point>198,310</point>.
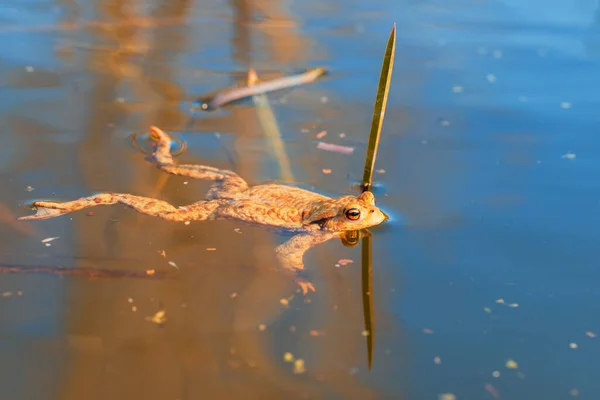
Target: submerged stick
<point>87,272</point>
<point>269,123</point>
<point>379,109</point>
<point>231,95</point>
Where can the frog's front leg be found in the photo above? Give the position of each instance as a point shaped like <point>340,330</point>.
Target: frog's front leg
<point>156,208</point>
<point>228,182</point>
<point>290,254</point>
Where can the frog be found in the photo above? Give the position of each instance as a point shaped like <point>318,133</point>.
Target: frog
<point>310,217</point>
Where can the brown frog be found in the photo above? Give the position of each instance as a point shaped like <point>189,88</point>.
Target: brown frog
<point>313,218</point>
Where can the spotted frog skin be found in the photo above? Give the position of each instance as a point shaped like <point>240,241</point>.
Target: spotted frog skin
<point>313,218</point>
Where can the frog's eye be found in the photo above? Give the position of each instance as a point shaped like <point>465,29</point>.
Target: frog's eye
<point>353,214</point>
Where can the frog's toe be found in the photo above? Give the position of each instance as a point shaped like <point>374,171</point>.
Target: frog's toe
<point>43,213</point>
<point>305,286</point>
<point>158,134</point>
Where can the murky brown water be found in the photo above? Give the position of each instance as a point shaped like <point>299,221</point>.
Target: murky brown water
<point>93,73</point>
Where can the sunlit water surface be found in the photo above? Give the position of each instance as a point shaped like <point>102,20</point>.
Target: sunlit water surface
<point>485,280</point>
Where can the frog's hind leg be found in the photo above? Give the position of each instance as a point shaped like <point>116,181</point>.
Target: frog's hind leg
<point>156,208</point>
<point>228,182</point>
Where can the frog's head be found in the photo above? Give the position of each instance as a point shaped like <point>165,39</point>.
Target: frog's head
<point>346,213</point>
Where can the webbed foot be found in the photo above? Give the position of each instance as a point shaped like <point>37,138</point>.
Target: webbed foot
<point>45,210</point>
<point>305,285</point>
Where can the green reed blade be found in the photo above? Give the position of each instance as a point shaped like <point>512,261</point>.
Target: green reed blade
<point>379,109</point>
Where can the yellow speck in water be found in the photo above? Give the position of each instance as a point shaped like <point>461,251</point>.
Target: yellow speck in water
<point>262,327</point>
<point>447,396</point>
<point>573,345</point>
<point>284,302</point>
<point>158,318</point>
<point>512,364</point>
<point>500,301</point>
<point>299,366</point>
<point>288,357</point>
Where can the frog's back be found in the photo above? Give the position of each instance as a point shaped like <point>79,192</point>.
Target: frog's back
<point>281,195</point>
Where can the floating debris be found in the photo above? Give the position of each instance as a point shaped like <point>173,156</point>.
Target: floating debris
<point>211,249</point>
<point>326,171</point>
<point>573,345</point>
<point>262,327</point>
<point>496,374</point>
<point>342,135</point>
<point>284,302</point>
<point>186,223</point>
<point>590,334</point>
<point>500,301</point>
<point>335,148</point>
<point>162,253</point>
<point>158,318</point>
<point>569,156</point>
<point>321,134</point>
<point>565,104</point>
<point>487,310</point>
<point>380,171</point>
<point>7,294</point>
<point>315,333</point>
<point>345,261</point>
<point>49,239</point>
<point>233,295</point>
<point>492,390</point>
<point>230,95</point>
<point>288,357</point>
<point>512,364</point>
<point>150,272</point>
<point>437,360</point>
<point>172,264</point>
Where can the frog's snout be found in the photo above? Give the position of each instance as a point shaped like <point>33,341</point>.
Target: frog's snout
<point>379,216</point>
